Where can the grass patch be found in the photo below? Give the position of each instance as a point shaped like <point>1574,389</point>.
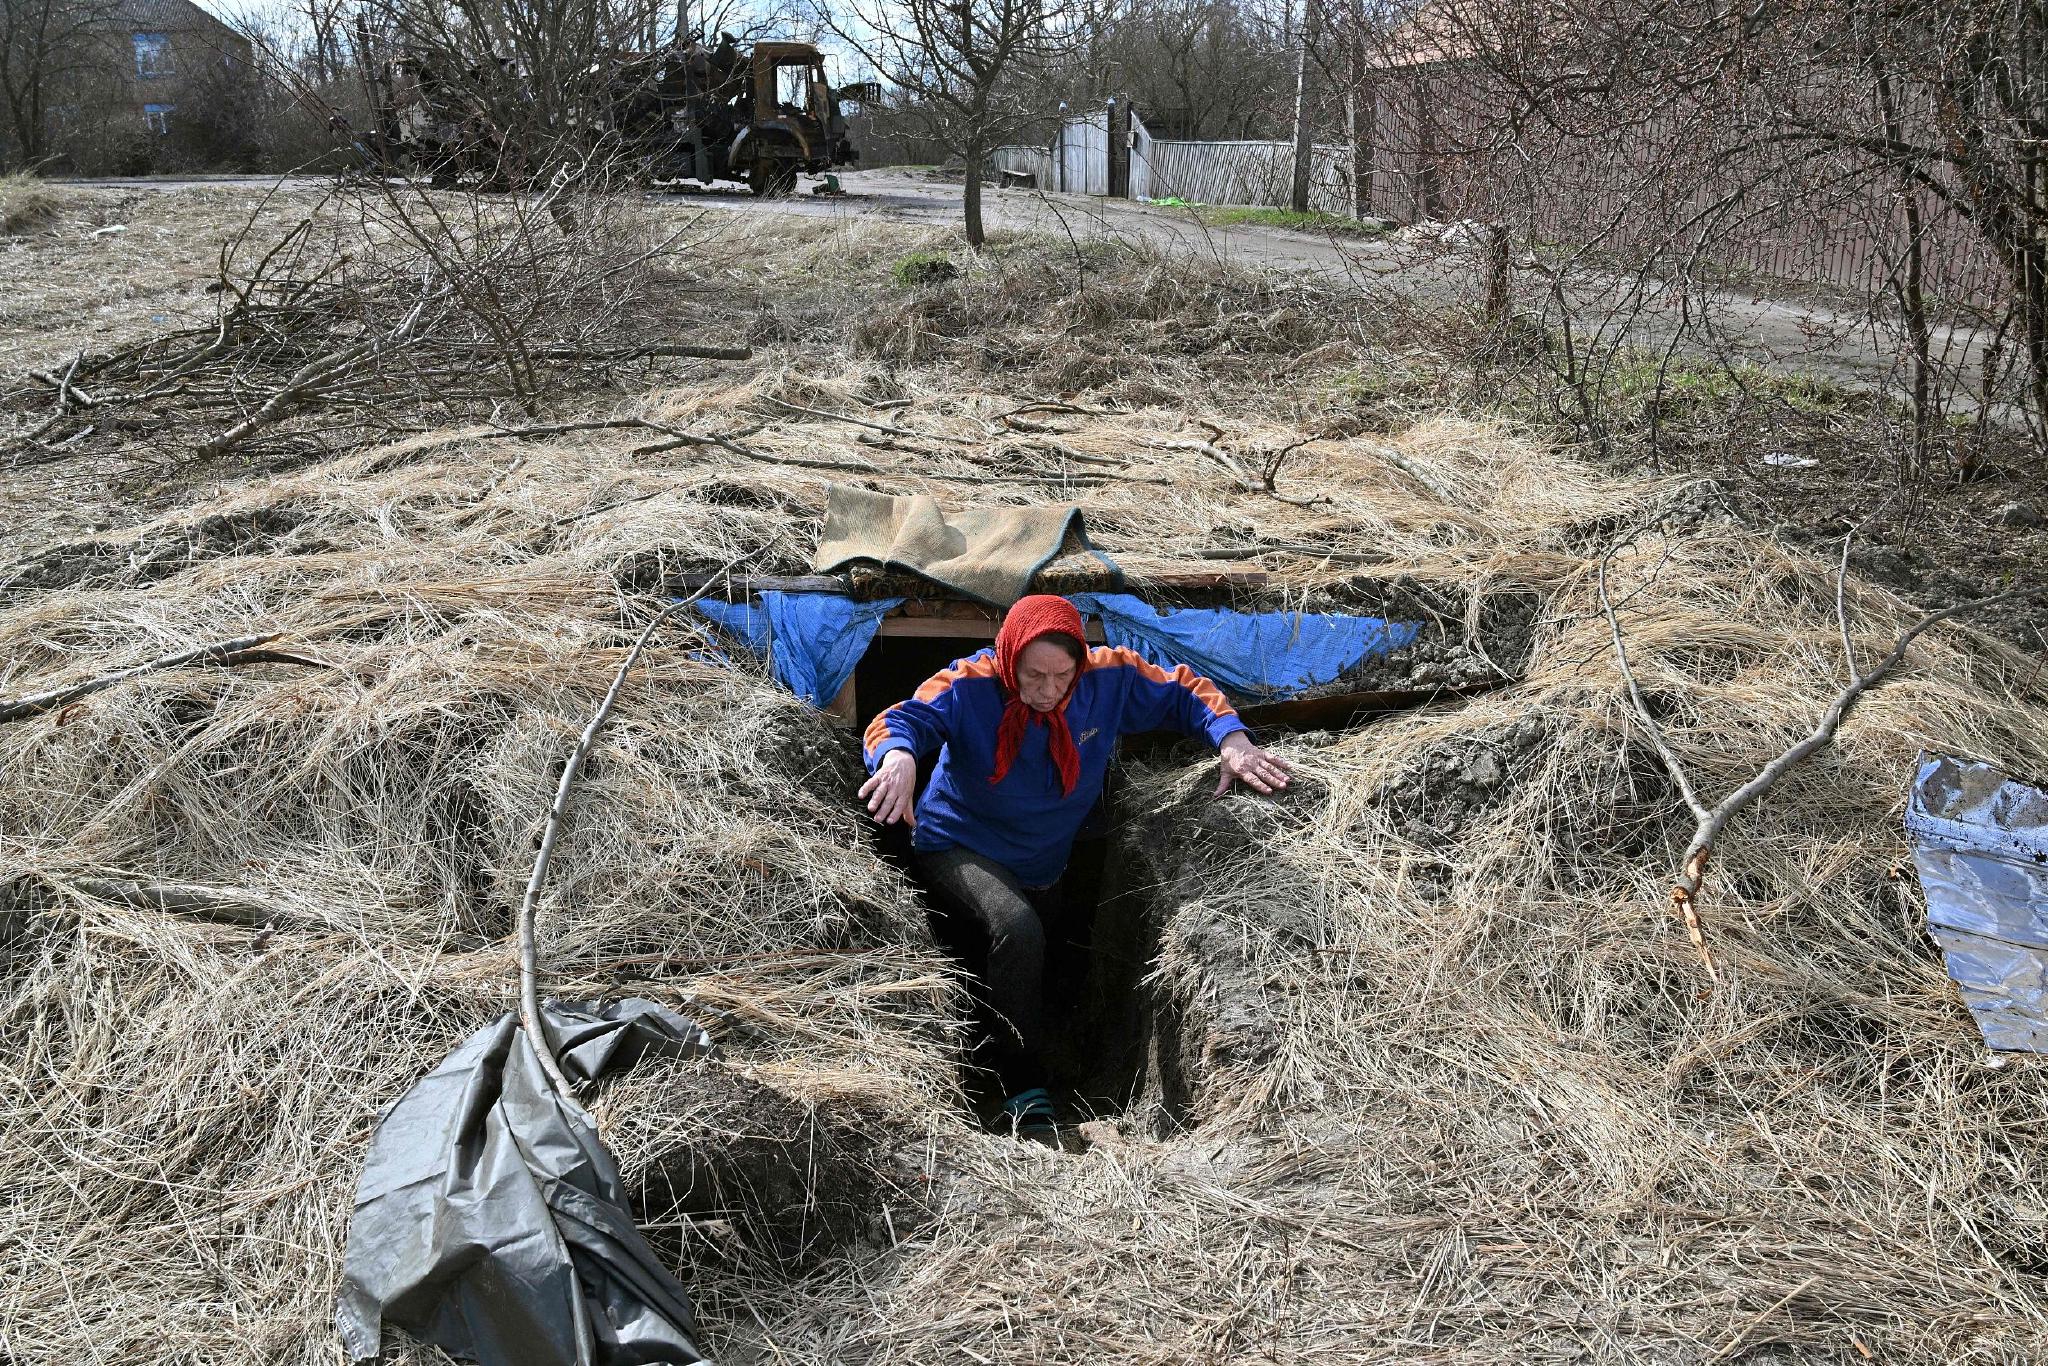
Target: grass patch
<point>1687,387</point>
<point>25,203</point>
<point>923,268</point>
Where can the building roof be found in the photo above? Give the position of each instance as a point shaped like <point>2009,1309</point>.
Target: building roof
<point>168,16</point>
<point>1435,31</point>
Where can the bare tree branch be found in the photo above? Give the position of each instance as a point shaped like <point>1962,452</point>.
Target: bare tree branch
<point>240,650</point>
<point>1710,822</point>
<point>558,818</point>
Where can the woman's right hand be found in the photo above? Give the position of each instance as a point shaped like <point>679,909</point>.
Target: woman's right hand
<point>893,788</point>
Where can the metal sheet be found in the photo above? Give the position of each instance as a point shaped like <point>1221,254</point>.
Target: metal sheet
<point>1980,841</point>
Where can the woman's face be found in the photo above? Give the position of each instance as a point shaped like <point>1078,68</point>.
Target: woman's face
<point>1044,672</point>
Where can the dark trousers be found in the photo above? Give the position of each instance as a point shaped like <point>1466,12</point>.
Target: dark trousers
<point>1011,919</point>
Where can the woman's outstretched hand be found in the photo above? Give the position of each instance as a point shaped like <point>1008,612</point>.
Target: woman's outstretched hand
<point>1244,762</point>
<point>891,791</point>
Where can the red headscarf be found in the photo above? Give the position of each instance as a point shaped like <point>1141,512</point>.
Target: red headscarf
<point>1028,619</point>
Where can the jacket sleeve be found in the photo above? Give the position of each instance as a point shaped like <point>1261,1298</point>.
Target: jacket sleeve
<point>1171,699</point>
<point>924,721</point>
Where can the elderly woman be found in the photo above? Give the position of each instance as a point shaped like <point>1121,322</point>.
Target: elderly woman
<point>1024,735</point>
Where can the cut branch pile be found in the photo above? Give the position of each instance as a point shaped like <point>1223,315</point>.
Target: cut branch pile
<point>374,315</point>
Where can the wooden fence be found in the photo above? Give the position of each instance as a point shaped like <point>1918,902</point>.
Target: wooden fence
<point>1663,195</point>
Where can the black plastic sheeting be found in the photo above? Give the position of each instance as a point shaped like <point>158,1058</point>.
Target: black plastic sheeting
<point>491,1222</point>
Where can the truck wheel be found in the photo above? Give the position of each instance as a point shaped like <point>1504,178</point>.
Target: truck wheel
<point>772,178</point>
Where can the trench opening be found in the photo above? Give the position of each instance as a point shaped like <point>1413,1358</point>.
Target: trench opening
<point>1116,1045</point>
<point>1111,1046</point>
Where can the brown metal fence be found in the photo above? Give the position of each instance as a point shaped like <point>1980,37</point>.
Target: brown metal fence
<point>1659,194</point>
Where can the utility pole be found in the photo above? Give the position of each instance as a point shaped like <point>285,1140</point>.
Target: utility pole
<point>1304,145</point>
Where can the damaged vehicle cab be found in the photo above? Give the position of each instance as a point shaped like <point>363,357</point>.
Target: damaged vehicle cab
<point>761,116</point>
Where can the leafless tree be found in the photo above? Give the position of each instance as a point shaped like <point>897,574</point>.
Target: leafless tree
<point>1307,40</point>
<point>970,71</point>
<point>1193,68</point>
<point>1897,148</point>
<point>52,52</point>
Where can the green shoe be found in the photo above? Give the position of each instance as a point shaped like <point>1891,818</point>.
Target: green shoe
<point>1029,1115</point>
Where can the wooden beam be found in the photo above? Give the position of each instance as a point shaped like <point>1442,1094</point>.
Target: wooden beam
<point>954,628</point>
<point>741,587</point>
<point>843,707</point>
<point>1344,708</point>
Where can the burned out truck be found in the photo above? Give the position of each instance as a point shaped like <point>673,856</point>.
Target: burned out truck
<point>437,117</point>
<point>758,115</point>
<point>725,113</point>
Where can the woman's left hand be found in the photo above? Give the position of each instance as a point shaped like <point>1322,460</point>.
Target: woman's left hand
<point>1244,762</point>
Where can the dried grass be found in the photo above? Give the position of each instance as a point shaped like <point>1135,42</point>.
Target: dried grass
<point>26,203</point>
<point>1458,1089</point>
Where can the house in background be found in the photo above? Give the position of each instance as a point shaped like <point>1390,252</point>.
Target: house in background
<point>168,53</point>
<point>127,87</point>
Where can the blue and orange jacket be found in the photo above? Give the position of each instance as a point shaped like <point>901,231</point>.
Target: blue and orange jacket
<point>1024,822</point>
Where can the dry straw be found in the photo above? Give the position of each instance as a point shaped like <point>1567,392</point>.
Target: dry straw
<point>1455,1088</point>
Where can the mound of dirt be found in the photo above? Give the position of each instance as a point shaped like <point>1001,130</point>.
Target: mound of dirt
<point>1431,1069</point>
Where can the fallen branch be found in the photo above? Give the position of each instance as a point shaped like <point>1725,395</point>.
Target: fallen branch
<point>240,650</point>
<point>1014,423</point>
<point>59,411</point>
<point>839,417</point>
<point>1076,409</point>
<point>1710,821</point>
<point>619,353</point>
<point>238,905</point>
<point>1269,474</point>
<point>307,381</point>
<point>1066,452</point>
<point>1216,453</point>
<point>558,818</point>
<point>67,392</point>
<point>1237,470</point>
<point>1418,474</point>
<point>890,443</point>
<point>1314,552</point>
<point>680,439</point>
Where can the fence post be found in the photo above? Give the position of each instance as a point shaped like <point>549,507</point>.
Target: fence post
<point>1117,132</point>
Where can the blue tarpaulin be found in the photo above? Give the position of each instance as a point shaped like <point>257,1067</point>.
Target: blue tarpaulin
<point>812,641</point>
<point>1980,841</point>
<point>1262,655</point>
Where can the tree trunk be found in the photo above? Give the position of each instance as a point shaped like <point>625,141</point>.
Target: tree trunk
<point>1304,145</point>
<point>1908,288</point>
<point>2034,304</point>
<point>1364,109</point>
<point>971,198</point>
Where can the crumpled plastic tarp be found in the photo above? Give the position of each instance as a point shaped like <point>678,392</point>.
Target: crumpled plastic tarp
<point>491,1222</point>
<point>1980,841</point>
<point>1263,655</point>
<point>812,641</point>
